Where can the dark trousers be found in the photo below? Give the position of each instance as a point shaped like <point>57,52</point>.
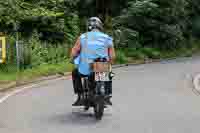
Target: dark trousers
<point>76,79</point>
<point>77,85</point>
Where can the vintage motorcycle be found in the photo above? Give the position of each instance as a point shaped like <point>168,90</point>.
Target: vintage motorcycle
<point>96,87</point>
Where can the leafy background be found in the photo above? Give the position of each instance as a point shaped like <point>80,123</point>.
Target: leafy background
<point>150,29</point>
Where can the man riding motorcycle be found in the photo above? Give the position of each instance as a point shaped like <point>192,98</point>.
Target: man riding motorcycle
<point>88,47</point>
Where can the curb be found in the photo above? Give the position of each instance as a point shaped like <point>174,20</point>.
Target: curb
<point>7,86</point>
<point>154,61</point>
<point>143,62</point>
<point>39,80</point>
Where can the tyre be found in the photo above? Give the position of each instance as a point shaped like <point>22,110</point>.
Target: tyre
<point>99,109</point>
<point>86,108</point>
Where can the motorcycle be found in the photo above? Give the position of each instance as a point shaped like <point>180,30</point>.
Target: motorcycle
<point>95,90</point>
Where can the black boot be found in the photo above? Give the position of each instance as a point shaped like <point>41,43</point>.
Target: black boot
<point>108,101</point>
<point>78,102</point>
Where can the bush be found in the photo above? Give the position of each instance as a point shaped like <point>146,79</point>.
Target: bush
<point>134,53</point>
<point>151,53</point>
<point>154,23</point>
<point>46,70</point>
<point>142,53</point>
<point>42,52</point>
<point>121,57</point>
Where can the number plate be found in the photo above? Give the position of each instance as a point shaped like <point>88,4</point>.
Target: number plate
<point>102,76</point>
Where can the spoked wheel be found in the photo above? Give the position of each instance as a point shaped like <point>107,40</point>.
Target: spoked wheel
<point>99,108</point>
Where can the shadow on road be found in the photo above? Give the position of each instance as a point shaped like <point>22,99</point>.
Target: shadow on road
<point>76,117</point>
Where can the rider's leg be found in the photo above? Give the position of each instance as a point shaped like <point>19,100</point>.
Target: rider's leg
<point>109,91</point>
<point>77,87</point>
<point>92,83</point>
<point>109,88</point>
<point>74,81</point>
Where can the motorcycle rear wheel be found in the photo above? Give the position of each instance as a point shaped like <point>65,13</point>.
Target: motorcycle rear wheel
<point>99,108</point>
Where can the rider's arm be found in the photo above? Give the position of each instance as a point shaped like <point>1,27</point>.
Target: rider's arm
<point>76,49</point>
<point>112,55</point>
<point>111,49</point>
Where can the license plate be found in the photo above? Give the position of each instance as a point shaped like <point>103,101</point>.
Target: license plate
<point>101,76</point>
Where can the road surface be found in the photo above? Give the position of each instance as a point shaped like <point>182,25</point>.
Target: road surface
<point>151,98</point>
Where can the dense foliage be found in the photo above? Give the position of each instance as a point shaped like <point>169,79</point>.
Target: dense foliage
<point>159,24</point>
<point>144,24</point>
<point>46,16</point>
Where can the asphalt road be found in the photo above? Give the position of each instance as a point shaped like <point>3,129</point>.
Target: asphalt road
<point>152,98</point>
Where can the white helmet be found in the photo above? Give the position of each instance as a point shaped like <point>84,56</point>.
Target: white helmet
<point>95,23</point>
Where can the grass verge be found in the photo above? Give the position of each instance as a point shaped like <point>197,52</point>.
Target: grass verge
<point>129,55</point>
<point>45,70</point>
<point>39,71</point>
<point>132,55</point>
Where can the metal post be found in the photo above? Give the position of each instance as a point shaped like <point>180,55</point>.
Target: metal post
<point>17,53</point>
<point>17,49</point>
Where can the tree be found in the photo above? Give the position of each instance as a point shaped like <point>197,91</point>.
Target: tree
<point>24,14</point>
<point>155,23</point>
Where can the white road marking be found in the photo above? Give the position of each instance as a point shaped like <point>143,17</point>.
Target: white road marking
<point>4,98</point>
<point>15,92</point>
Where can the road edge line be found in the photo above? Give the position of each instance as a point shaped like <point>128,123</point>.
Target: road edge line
<point>17,91</point>
<point>4,98</point>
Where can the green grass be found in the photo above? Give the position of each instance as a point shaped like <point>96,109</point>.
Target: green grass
<point>121,57</point>
<point>46,70</point>
<point>139,55</point>
<point>128,55</point>
<point>8,72</point>
<point>39,71</point>
<point>8,76</point>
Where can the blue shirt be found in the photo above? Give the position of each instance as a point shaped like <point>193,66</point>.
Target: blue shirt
<point>94,45</point>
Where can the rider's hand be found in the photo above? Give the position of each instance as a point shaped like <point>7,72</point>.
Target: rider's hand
<point>111,61</point>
